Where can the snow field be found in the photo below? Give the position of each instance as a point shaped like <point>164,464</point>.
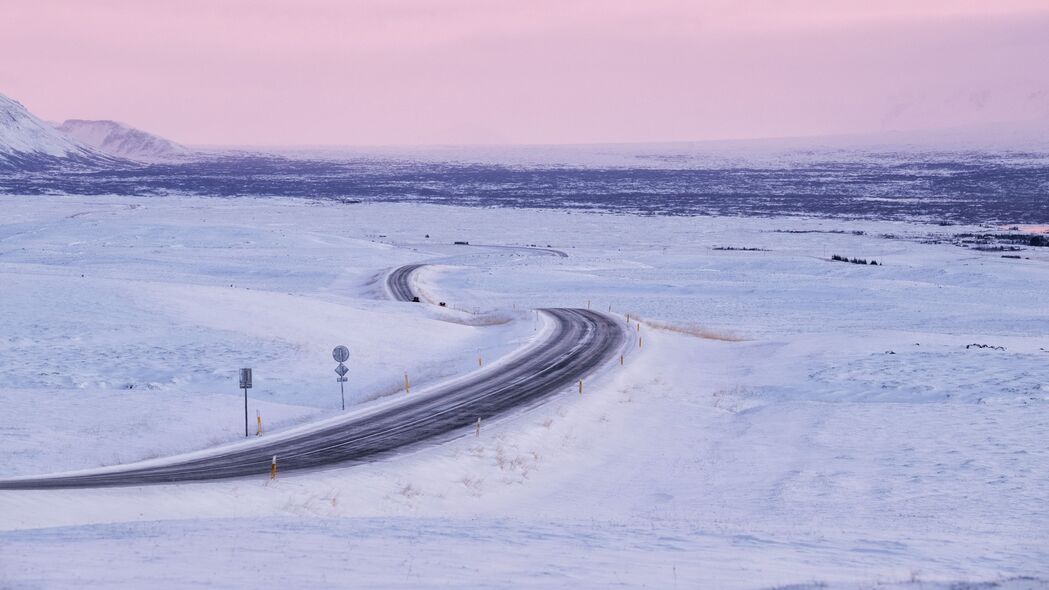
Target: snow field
<point>799,451</point>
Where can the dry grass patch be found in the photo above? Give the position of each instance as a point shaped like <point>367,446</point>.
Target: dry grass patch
<point>689,330</point>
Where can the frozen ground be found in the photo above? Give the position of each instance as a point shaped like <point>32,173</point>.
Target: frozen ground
<point>788,420</point>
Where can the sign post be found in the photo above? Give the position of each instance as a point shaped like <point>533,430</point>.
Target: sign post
<point>341,354</point>
<point>245,384</point>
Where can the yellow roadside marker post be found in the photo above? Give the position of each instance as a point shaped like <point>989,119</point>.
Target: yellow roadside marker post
<point>258,423</point>
<point>580,387</point>
<point>407,384</point>
<point>273,468</point>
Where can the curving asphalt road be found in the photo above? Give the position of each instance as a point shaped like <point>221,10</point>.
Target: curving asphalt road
<point>399,282</point>
<point>579,343</point>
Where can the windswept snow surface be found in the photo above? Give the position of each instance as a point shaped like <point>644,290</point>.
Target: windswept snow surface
<point>784,419</point>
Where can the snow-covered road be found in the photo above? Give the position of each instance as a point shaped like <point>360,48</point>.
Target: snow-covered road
<point>579,342</point>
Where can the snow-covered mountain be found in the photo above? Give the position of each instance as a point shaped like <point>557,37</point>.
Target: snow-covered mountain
<point>27,143</point>
<point>122,141</point>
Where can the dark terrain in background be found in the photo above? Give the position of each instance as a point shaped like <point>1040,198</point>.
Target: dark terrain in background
<point>951,187</point>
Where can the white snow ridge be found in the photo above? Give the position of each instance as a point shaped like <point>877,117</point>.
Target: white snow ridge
<point>123,141</point>
<point>27,142</point>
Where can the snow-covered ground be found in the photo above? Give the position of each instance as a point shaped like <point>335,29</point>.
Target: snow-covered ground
<point>785,420</point>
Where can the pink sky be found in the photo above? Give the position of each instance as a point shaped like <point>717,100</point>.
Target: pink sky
<point>525,71</point>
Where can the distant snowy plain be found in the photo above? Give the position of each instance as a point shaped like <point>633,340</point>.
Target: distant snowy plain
<point>784,420</point>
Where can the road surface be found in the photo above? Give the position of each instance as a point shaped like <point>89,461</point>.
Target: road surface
<point>579,342</point>
<point>399,282</point>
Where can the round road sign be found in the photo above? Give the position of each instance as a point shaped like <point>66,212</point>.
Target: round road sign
<point>340,354</point>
